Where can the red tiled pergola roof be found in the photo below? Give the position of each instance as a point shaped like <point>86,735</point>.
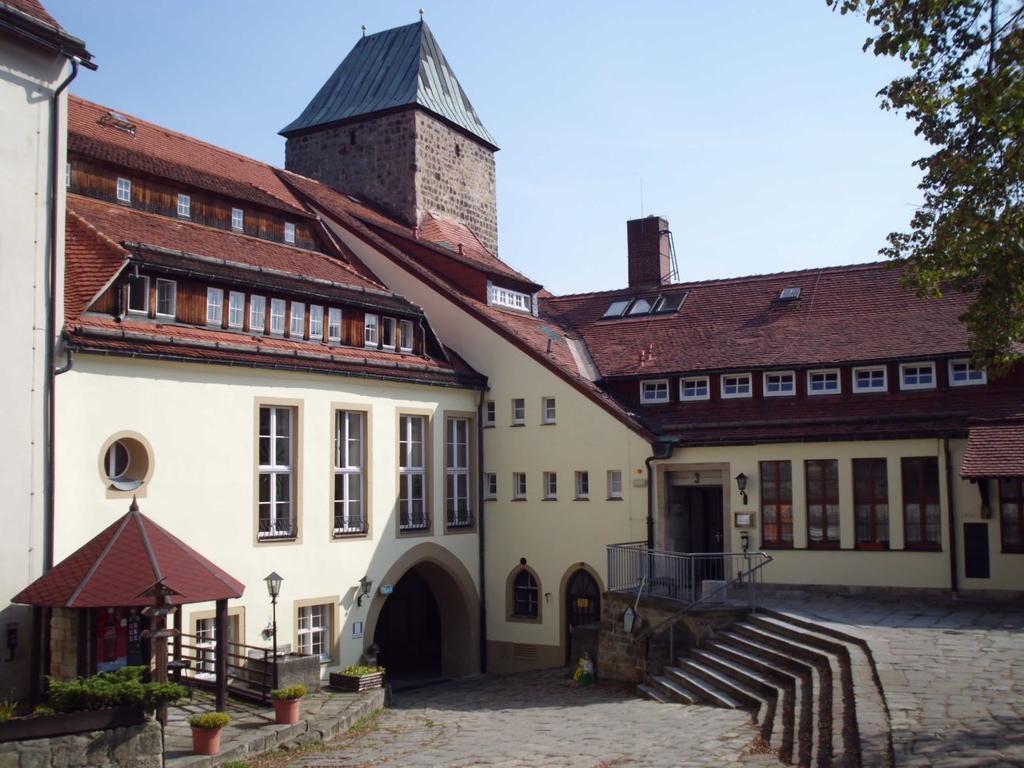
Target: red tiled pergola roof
<point>119,567</point>
<point>995,450</point>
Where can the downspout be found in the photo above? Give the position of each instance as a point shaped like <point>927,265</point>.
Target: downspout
<point>954,581</point>
<point>480,526</point>
<point>40,617</point>
<point>661,450</point>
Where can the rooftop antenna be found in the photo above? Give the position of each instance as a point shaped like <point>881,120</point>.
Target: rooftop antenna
<point>364,30</point>
<point>421,14</point>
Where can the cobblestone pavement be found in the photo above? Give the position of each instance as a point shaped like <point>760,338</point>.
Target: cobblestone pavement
<point>953,673</point>
<point>541,719</point>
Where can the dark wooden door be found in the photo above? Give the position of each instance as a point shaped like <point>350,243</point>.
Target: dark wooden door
<point>583,605</point>
<point>976,564</point>
<point>409,629</point>
<point>695,519</point>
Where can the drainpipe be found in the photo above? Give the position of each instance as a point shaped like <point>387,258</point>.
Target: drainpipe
<point>481,402</point>
<point>40,657</point>
<point>954,581</point>
<point>662,450</point>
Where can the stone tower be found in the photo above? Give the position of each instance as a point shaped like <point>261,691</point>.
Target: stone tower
<point>392,125</point>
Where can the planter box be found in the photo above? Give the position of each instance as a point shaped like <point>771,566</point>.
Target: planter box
<point>69,723</point>
<point>356,682</point>
<point>292,669</point>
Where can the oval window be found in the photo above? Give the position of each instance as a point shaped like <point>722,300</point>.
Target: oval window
<point>118,460</point>
<point>125,464</point>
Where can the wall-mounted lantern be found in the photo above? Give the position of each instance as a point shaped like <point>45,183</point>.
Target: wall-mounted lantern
<point>741,485</point>
<point>365,585</point>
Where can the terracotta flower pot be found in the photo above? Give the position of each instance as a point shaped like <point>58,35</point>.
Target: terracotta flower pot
<point>206,741</point>
<point>287,710</point>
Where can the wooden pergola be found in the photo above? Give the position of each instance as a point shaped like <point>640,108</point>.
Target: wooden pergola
<point>134,563</point>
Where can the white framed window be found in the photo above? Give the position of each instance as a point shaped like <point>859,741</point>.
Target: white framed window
<point>917,375</point>
<point>370,334</point>
<point>184,206</point>
<point>582,484</point>
<point>138,295</point>
<point>334,325</point>
<point>550,485</point>
<point>547,410</point>
<point>406,335</point>
<point>349,472</point>
<point>614,483</point>
<point>518,411</point>
<point>387,332</point>
<point>504,297</point>
<point>654,391</point>
<point>490,486</point>
<point>316,322</point>
<point>236,309</point>
<point>736,385</point>
<point>214,306</point>
<point>824,382</point>
<point>489,413</point>
<point>412,497</point>
<point>124,190</point>
<point>276,473</point>
<point>206,644</point>
<point>289,232</point>
<point>257,313</point>
<point>314,630</point>
<point>695,388</point>
<point>779,383</point>
<point>166,298</point>
<point>870,379</point>
<point>962,373</point>
<point>297,324</point>
<point>278,308</point>
<point>518,486</point>
<point>237,219</point>
<point>456,467</point>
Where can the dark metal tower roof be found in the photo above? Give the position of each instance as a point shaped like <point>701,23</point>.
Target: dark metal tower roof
<point>395,68</point>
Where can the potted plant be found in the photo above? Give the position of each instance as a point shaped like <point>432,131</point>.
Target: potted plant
<point>287,702</point>
<point>358,678</point>
<point>206,728</point>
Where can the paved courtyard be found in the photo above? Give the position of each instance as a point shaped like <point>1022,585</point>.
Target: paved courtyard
<point>541,719</point>
<point>953,673</point>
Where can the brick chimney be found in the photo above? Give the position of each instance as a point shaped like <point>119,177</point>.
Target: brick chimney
<point>647,245</point>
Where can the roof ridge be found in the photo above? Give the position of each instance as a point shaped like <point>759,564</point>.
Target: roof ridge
<point>765,276</point>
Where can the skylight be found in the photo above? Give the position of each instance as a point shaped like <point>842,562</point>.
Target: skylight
<point>640,307</point>
<point>119,121</point>
<point>653,305</point>
<point>670,302</point>
<point>788,294</point>
<point>617,308</point>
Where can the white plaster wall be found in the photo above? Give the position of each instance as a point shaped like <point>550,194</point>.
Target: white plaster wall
<point>27,79</point>
<point>200,421</point>
<point>553,536</point>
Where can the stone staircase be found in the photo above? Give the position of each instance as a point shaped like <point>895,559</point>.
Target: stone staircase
<point>812,690</point>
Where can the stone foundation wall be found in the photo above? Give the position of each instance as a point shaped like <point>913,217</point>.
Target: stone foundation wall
<point>622,656</point>
<point>137,746</point>
<point>64,644</point>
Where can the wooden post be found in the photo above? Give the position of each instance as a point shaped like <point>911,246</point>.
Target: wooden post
<point>220,659</point>
<point>177,636</point>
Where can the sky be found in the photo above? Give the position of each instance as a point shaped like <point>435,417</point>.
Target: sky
<point>753,127</point>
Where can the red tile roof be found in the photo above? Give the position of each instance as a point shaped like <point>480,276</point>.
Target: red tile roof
<point>995,450</point>
<point>844,314</point>
<point>34,9</point>
<point>125,560</point>
<point>157,150</point>
<point>92,261</point>
<point>441,232</point>
<point>127,225</point>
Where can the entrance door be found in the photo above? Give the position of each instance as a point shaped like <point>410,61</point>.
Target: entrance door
<point>695,519</point>
<point>582,605</point>
<point>409,630</point>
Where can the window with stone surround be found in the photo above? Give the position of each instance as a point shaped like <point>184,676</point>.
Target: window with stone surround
<point>776,504</point>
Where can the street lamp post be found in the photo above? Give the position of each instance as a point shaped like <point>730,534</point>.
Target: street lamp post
<point>274,589</point>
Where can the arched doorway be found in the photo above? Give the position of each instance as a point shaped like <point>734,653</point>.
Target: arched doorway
<point>429,625</point>
<point>582,605</point>
<point>409,629</point>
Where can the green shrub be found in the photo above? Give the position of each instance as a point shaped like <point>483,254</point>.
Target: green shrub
<point>209,720</point>
<point>236,764</point>
<point>42,710</point>
<point>7,709</point>
<point>358,670</point>
<point>291,692</point>
<point>120,688</point>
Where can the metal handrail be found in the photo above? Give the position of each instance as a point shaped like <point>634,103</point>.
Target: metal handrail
<point>739,577</point>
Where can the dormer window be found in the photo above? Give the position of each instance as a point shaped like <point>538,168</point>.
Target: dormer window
<point>654,391</point>
<point>405,335</point>
<point>257,313</point>
<point>370,330</point>
<point>388,328</point>
<point>736,385</point>
<point>289,232</point>
<point>237,219</point>
<point>824,382</point>
<point>694,388</point>
<point>917,376</point>
<point>779,384</point>
<point>870,379</point>
<point>124,190</point>
<point>297,329</point>
<point>184,206</point>
<point>138,295</point>
<point>214,306</point>
<point>166,298</point>
<point>334,325</point>
<point>505,297</point>
<point>962,373</point>
<point>277,311</point>
<point>316,323</point>
<point>236,309</point>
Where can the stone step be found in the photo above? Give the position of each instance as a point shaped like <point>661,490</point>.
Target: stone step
<point>771,715</point>
<point>650,692</point>
<point>745,696</point>
<point>673,691</point>
<point>704,690</point>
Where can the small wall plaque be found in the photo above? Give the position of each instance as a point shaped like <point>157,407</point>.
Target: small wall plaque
<point>387,589</point>
<point>744,519</point>
<point>357,629</point>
